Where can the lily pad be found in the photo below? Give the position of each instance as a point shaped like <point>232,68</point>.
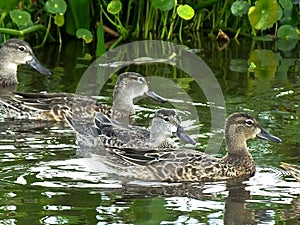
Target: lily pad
<point>114,7</point>
<point>85,34</point>
<point>163,4</point>
<point>290,17</point>
<point>240,8</point>
<point>287,32</point>
<point>186,12</point>
<point>286,4</point>
<point>264,14</point>
<point>265,61</point>
<point>238,65</point>
<point>21,18</point>
<point>59,19</point>
<point>56,6</point>
<point>287,45</point>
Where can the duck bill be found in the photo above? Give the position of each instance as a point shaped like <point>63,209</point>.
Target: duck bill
<point>34,63</point>
<point>184,136</point>
<point>155,96</point>
<point>264,135</point>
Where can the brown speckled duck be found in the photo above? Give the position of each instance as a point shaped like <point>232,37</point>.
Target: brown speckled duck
<point>164,124</point>
<point>52,106</point>
<point>177,165</point>
<point>294,170</point>
<point>14,53</point>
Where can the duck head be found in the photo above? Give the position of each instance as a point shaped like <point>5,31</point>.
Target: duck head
<point>239,128</point>
<point>166,123</point>
<point>16,52</point>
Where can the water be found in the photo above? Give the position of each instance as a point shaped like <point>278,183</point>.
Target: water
<point>43,181</point>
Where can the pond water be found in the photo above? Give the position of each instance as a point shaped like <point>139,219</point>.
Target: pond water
<point>43,181</point>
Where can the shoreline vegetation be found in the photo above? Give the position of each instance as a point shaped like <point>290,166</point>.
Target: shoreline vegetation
<point>105,24</point>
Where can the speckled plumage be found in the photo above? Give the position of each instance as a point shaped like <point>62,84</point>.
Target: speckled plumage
<point>13,53</point>
<point>165,123</point>
<point>52,106</point>
<point>294,170</point>
<point>189,165</point>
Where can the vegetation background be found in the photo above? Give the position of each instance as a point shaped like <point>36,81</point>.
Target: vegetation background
<point>104,24</point>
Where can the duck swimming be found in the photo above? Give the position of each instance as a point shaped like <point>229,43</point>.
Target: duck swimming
<point>164,124</point>
<point>51,106</point>
<point>294,170</point>
<point>177,165</point>
<point>14,53</point>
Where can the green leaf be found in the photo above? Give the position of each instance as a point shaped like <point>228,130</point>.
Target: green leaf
<point>77,16</point>
<point>265,62</point>
<point>290,17</point>
<point>21,18</point>
<point>287,32</point>
<point>8,5</point>
<point>240,8</point>
<point>163,4</point>
<point>185,12</point>
<point>264,14</point>
<point>114,7</point>
<point>286,4</point>
<point>287,45</point>
<point>100,40</point>
<point>59,19</point>
<point>239,65</point>
<point>85,34</point>
<point>56,6</point>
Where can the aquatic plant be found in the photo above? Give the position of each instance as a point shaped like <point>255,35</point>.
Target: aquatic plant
<point>106,23</point>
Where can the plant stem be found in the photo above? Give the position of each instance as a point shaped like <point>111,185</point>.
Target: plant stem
<point>116,42</point>
<point>137,17</point>
<point>47,31</point>
<point>3,15</point>
<point>180,31</point>
<point>107,17</point>
<point>164,29</point>
<point>22,32</point>
<point>172,22</point>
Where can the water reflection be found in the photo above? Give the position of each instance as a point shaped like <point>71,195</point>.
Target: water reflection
<point>42,179</point>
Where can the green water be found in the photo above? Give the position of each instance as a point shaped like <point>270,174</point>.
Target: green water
<point>43,181</point>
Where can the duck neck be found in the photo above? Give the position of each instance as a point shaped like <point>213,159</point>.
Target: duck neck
<point>158,136</point>
<point>8,73</point>
<point>122,102</point>
<point>236,146</point>
<point>238,156</point>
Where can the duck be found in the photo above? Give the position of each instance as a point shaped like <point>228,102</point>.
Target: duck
<point>53,106</point>
<point>294,170</point>
<point>164,124</point>
<point>13,53</point>
<point>184,165</point>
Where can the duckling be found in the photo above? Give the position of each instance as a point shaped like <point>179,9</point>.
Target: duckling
<point>52,106</point>
<point>13,53</point>
<point>175,165</point>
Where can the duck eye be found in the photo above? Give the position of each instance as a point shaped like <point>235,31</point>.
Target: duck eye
<point>166,118</point>
<point>249,122</point>
<point>22,48</point>
<point>141,80</point>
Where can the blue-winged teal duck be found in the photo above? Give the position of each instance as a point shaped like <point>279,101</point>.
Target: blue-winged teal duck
<point>294,170</point>
<point>51,106</point>
<point>13,53</point>
<point>189,165</point>
<point>165,123</point>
